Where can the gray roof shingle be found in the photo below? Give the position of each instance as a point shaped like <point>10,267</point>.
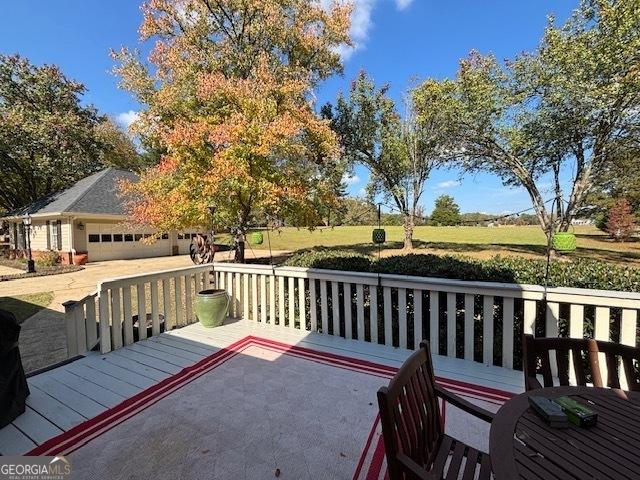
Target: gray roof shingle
<point>95,194</point>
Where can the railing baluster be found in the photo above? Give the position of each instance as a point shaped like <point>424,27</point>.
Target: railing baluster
<point>360,310</point>
<point>348,303</point>
<point>551,330</point>
<point>128,321</point>
<point>388,330</point>
<point>292,302</point>
<point>628,325</point>
<point>529,326</point>
<point>245,297</point>
<point>373,313</point>
<point>302,305</point>
<point>324,307</point>
<point>232,305</point>
<point>272,300</point>
<point>451,324</point>
<point>155,317</point>
<point>402,317</point>
<point>313,308</point>
<point>469,324</point>
<point>254,298</point>
<point>281,306</point>
<point>507,332</point>
<point>335,307</point>
<point>434,321</point>
<point>105,324</point>
<point>177,281</point>
<point>263,298</point>
<point>601,332</point>
<point>116,319</point>
<point>142,311</point>
<point>487,330</point>
<point>188,299</point>
<point>166,300</point>
<point>576,330</point>
<point>237,295</point>
<point>417,318</point>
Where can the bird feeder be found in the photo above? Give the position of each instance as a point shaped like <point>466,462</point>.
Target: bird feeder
<point>564,242</point>
<point>257,238</point>
<point>379,236</point>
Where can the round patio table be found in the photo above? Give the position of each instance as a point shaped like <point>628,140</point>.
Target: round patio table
<point>523,446</point>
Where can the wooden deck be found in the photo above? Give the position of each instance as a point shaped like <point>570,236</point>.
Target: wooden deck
<point>66,396</point>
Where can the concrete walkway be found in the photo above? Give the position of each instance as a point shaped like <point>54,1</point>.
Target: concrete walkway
<point>42,339</point>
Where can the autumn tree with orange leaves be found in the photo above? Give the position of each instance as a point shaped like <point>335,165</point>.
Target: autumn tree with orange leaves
<point>227,92</point>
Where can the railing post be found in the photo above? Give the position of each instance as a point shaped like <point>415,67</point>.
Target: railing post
<point>105,327</point>
<point>71,328</point>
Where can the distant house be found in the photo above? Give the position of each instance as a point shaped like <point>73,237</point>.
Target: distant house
<point>86,222</point>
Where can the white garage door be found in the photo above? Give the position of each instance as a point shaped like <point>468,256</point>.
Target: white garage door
<point>113,242</point>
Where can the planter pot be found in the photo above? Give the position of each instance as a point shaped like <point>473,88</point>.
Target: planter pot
<point>211,307</point>
<point>80,258</point>
<point>564,242</point>
<point>257,238</point>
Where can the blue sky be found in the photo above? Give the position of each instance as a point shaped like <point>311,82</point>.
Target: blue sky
<point>397,41</point>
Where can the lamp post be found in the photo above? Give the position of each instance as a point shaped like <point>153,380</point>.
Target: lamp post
<point>26,221</point>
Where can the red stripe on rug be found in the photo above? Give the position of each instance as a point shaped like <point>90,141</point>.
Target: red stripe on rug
<point>367,445</point>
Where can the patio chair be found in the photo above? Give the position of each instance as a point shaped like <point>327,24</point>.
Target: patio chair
<point>415,443</point>
<point>536,358</point>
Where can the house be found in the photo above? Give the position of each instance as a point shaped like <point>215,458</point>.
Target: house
<point>87,222</point>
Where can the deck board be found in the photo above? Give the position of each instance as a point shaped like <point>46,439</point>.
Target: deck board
<point>65,396</point>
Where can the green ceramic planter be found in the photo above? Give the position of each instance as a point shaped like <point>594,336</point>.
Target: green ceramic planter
<point>564,242</point>
<point>211,307</point>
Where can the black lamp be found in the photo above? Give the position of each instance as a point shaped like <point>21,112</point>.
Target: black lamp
<point>26,221</point>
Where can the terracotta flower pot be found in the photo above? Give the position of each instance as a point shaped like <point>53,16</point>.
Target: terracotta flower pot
<point>80,258</point>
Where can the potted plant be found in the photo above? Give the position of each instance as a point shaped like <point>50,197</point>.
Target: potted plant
<point>211,307</point>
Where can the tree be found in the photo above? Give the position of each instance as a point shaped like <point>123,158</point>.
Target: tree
<point>227,95</point>
<point>400,153</point>
<point>48,139</point>
<point>620,221</point>
<point>446,212</point>
<point>571,106</point>
<point>356,211</point>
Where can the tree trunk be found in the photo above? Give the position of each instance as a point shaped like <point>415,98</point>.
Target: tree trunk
<point>408,232</point>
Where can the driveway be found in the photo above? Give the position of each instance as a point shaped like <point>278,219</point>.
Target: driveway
<point>42,339</point>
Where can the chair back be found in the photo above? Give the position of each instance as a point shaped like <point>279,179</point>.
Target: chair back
<point>410,413</point>
<point>540,355</point>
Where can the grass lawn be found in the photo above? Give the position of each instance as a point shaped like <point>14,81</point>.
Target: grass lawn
<point>24,306</point>
<point>480,242</point>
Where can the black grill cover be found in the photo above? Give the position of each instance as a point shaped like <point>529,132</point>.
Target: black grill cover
<point>13,383</point>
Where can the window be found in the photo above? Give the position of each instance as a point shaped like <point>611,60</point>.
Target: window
<point>93,238</point>
<point>180,236</point>
<point>22,240</point>
<point>165,236</point>
<point>138,237</point>
<point>117,237</point>
<point>48,232</point>
<point>128,237</point>
<point>105,237</point>
<point>55,235</point>
<point>147,235</point>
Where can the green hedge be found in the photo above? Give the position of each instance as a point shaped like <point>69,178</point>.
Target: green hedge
<point>579,273</point>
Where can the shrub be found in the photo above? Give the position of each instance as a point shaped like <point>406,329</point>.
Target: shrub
<point>331,260</point>
<point>48,258</point>
<point>578,273</point>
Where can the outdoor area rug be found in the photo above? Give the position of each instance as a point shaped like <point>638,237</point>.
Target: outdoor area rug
<point>258,409</point>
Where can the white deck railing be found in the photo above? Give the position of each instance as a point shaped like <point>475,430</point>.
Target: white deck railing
<point>486,318</point>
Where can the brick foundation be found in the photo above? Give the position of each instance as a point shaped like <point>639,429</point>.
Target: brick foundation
<point>66,258</point>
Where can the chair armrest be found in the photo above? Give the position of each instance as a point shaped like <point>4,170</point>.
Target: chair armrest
<point>465,405</point>
<point>413,469</point>
<point>532,383</point>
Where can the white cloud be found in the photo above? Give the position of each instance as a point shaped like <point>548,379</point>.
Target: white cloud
<point>447,184</point>
<point>402,4</point>
<point>350,179</point>
<point>125,119</point>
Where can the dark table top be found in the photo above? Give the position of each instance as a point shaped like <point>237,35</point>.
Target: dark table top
<point>523,446</point>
